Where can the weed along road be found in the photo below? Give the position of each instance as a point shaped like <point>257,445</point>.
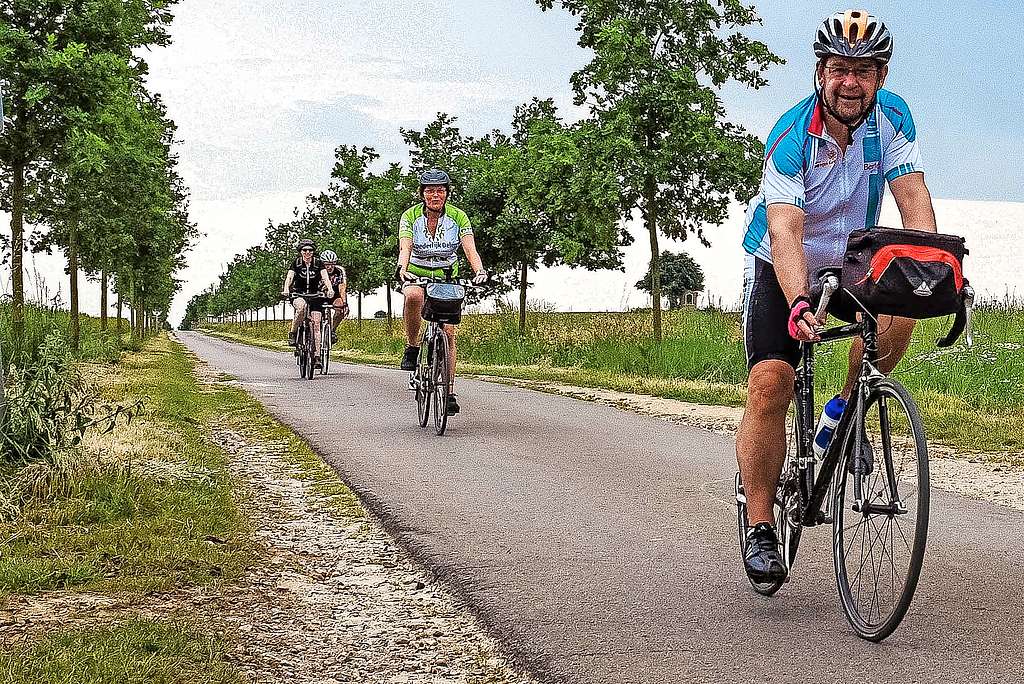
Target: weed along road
<point>600,546</point>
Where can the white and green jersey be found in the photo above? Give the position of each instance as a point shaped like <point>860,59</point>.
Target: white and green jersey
<point>441,251</point>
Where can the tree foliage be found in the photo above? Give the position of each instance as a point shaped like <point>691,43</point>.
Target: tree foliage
<point>680,274</point>
<point>653,85</point>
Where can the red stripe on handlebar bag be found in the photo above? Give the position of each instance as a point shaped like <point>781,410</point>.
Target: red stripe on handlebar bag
<point>886,255</point>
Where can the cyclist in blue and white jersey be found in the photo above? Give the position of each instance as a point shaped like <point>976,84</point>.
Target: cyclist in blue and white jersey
<point>429,237</point>
<point>827,162</point>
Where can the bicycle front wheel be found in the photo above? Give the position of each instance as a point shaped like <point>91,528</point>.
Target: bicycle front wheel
<point>441,381</point>
<point>880,527</point>
<point>300,352</point>
<point>422,382</point>
<point>325,350</point>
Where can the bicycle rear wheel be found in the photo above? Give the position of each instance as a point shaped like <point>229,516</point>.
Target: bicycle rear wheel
<point>441,381</point>
<point>879,541</point>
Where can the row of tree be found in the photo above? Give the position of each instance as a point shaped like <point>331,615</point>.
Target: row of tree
<point>86,155</point>
<point>656,142</point>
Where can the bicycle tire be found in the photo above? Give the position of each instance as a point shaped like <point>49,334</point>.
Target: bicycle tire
<point>325,349</point>
<point>300,351</point>
<point>441,381</point>
<point>310,352</point>
<point>422,380</point>
<point>884,477</point>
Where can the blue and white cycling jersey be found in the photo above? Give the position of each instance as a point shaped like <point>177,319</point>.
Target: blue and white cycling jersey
<point>839,193</point>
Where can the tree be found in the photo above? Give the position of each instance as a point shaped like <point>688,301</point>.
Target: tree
<point>680,274</point>
<point>562,203</point>
<point>94,187</point>
<point>57,57</point>
<point>653,85</point>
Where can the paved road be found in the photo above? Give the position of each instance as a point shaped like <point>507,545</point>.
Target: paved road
<point>599,545</point>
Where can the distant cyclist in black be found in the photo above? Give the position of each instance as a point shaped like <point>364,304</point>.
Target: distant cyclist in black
<point>307,276</point>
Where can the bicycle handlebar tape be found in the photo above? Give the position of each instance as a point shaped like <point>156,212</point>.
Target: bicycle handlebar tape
<point>801,305</point>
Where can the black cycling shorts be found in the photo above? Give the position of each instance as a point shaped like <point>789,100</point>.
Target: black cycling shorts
<point>315,303</point>
<point>766,315</point>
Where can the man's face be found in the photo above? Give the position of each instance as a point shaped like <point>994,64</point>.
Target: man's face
<point>434,197</point>
<point>849,85</point>
<point>330,267</point>
<point>307,253</point>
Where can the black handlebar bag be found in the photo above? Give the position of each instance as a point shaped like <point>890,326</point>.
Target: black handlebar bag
<point>908,273</point>
<point>443,303</point>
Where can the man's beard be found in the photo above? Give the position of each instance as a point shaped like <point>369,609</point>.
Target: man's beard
<point>841,107</point>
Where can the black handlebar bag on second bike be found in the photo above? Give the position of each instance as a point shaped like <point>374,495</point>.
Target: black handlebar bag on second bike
<point>443,303</point>
<point>908,273</point>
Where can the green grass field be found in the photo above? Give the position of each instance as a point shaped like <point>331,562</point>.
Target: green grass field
<point>970,398</point>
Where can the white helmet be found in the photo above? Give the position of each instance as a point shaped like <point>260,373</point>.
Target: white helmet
<point>328,257</point>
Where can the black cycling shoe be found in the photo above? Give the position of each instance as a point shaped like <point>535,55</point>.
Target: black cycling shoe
<point>866,457</point>
<point>453,405</point>
<point>762,560</point>
<point>317,363</point>
<point>291,339</point>
<point>409,359</point>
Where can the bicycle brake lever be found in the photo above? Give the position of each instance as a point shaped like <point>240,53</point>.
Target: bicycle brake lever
<point>829,287</point>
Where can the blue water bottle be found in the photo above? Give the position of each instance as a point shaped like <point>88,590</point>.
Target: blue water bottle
<point>827,423</point>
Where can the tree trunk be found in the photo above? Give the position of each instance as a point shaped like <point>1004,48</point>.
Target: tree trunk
<point>76,329</point>
<point>104,304</point>
<point>523,284</point>
<point>120,314</point>
<point>651,219</point>
<point>387,289</point>
<point>17,252</point>
<point>359,309</point>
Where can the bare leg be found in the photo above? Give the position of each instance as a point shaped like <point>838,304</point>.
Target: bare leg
<point>761,439</point>
<point>411,312</point>
<point>340,311</point>
<point>315,318</point>
<point>893,340</point>
<point>300,311</point>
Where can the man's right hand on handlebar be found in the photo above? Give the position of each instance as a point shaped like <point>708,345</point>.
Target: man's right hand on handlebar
<point>802,322</point>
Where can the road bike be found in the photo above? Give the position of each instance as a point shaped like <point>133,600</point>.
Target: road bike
<point>432,379</point>
<point>872,482</point>
<point>305,344</point>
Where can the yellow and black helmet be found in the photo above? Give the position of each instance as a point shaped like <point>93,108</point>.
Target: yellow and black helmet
<point>853,33</point>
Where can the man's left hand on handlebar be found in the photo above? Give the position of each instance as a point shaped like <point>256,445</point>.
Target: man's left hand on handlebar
<point>481,277</point>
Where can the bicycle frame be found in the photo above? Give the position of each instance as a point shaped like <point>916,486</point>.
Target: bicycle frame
<point>814,490</point>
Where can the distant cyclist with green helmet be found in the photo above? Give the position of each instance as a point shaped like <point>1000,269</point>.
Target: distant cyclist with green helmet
<point>429,237</point>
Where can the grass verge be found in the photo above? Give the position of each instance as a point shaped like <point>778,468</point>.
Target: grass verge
<point>151,506</point>
<point>141,651</point>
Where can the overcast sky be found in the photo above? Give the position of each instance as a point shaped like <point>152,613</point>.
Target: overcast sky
<point>264,90</point>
